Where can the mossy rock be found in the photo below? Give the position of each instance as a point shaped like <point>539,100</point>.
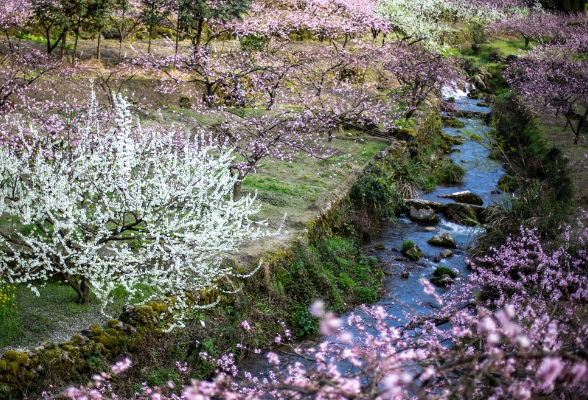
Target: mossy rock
<point>407,134</point>
<point>443,277</point>
<point>444,240</point>
<point>16,356</point>
<point>413,252</point>
<point>452,140</point>
<point>453,122</point>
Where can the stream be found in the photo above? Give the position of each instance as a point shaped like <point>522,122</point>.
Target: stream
<point>481,179</point>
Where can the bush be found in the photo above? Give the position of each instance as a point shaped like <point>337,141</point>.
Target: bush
<point>375,192</point>
<point>409,176</point>
<point>253,43</point>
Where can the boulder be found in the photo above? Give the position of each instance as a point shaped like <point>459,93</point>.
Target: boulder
<point>443,277</point>
<point>419,203</point>
<point>466,197</point>
<point>452,140</point>
<point>413,252</point>
<point>406,134</point>
<point>444,240</point>
<point>479,82</point>
<point>423,214</point>
<point>453,122</point>
<point>461,213</point>
<point>442,281</point>
<point>476,94</point>
<point>446,253</point>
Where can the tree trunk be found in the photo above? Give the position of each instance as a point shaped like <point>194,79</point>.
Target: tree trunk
<point>409,114</point>
<point>177,32</point>
<point>237,189</point>
<point>75,45</point>
<point>63,41</point>
<point>98,47</point>
<point>9,42</point>
<point>580,125</point>
<point>120,44</point>
<point>82,289</point>
<point>199,34</point>
<point>149,45</point>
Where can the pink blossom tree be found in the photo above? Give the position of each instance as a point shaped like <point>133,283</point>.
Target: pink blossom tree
<point>277,136</point>
<point>542,27</point>
<point>13,14</point>
<point>20,70</point>
<point>554,78</point>
<point>421,73</point>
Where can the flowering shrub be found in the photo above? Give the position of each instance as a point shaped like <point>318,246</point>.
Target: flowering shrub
<point>116,204</point>
<point>520,342</point>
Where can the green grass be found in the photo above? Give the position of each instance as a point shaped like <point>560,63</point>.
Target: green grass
<point>450,173</point>
<point>40,39</point>
<point>55,314</point>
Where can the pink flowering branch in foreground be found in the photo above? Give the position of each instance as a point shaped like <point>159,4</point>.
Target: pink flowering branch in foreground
<point>514,330</point>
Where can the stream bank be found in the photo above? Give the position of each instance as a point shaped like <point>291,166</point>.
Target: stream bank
<point>403,275</point>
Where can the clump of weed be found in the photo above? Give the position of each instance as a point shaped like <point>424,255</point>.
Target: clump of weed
<point>407,245</point>
<point>450,173</point>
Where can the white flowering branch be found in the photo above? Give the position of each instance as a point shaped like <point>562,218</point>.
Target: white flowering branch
<point>120,205</point>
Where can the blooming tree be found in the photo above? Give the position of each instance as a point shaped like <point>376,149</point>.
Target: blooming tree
<point>429,21</point>
<point>13,14</point>
<point>278,136</point>
<point>111,203</point>
<point>421,73</point>
<point>543,27</point>
<point>555,78</point>
<point>20,69</point>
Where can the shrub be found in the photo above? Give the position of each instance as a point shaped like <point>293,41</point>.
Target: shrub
<point>253,43</point>
<point>375,192</point>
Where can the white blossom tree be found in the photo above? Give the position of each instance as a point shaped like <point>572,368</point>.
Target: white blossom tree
<point>116,204</point>
<point>429,21</point>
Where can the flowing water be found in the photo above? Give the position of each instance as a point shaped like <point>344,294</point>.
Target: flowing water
<point>481,179</point>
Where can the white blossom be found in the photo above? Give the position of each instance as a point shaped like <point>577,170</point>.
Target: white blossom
<point>121,205</point>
